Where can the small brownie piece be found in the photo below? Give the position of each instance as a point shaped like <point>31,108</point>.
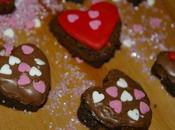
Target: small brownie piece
<point>164,69</point>
<point>120,104</point>
<point>135,2</point>
<point>91,35</point>
<point>76,1</point>
<point>7,6</point>
<point>24,78</point>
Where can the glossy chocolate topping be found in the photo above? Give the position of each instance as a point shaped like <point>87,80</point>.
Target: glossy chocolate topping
<point>25,75</point>
<point>167,62</point>
<point>121,102</point>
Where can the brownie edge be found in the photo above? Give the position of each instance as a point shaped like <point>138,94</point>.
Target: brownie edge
<point>94,58</point>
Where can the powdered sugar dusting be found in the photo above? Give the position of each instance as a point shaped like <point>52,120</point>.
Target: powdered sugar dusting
<point>72,83</point>
<point>146,36</point>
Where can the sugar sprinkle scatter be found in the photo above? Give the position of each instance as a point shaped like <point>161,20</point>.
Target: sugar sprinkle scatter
<point>28,15</point>
<point>72,82</point>
<point>71,85</point>
<point>146,36</point>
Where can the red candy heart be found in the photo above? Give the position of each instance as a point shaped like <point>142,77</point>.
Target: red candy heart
<point>171,56</point>
<point>92,27</point>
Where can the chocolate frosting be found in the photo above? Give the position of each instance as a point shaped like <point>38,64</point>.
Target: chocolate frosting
<point>25,75</point>
<point>7,6</point>
<point>167,64</point>
<point>120,102</point>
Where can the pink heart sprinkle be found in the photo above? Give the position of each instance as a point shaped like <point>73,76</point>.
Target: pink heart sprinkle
<point>116,105</point>
<point>95,24</point>
<point>144,108</point>
<point>138,94</point>
<point>23,80</point>
<point>79,61</point>
<point>8,49</point>
<point>39,86</point>
<point>93,14</point>
<point>23,67</point>
<point>27,49</point>
<point>72,18</point>
<point>29,25</point>
<point>112,91</point>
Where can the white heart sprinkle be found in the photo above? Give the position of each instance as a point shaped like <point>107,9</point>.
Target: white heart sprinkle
<point>151,2</point>
<point>72,18</point>
<point>2,53</point>
<point>14,60</point>
<point>93,14</point>
<point>126,96</point>
<point>97,97</point>
<point>95,24</point>
<point>39,61</point>
<point>122,83</point>
<point>5,69</point>
<point>134,114</point>
<point>35,72</point>
<point>37,23</point>
<point>9,33</point>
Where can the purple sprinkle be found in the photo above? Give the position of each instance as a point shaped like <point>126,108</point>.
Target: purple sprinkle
<point>155,22</point>
<point>138,28</point>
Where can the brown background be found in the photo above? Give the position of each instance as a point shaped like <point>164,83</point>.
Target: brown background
<point>45,118</point>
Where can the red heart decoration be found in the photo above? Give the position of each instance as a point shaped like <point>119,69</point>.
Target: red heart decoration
<point>92,27</point>
<point>171,56</point>
<point>4,1</point>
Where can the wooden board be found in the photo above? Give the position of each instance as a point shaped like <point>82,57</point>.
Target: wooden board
<point>70,78</point>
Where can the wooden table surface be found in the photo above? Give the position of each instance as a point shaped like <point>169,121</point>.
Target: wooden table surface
<point>70,78</point>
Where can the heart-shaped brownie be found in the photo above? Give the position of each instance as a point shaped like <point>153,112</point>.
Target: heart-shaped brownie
<point>164,69</point>
<point>7,6</point>
<point>135,2</point>
<point>76,1</point>
<point>120,104</point>
<point>24,77</point>
<point>93,27</point>
<point>92,35</point>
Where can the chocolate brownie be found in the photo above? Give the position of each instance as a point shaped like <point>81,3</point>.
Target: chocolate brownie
<point>24,78</point>
<point>7,6</point>
<point>135,2</point>
<point>120,104</point>
<point>91,35</point>
<point>164,69</point>
<point>76,1</point>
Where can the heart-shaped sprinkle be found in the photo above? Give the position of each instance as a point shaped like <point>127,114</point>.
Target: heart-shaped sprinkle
<point>171,56</point>
<point>5,69</point>
<point>2,53</point>
<point>39,86</point>
<point>23,67</point>
<point>138,94</point>
<point>24,80</point>
<point>112,91</point>
<point>8,49</point>
<point>95,24</point>
<point>126,96</point>
<point>14,60</point>
<point>134,114</point>
<point>116,105</point>
<point>35,72</point>
<point>39,61</point>
<point>144,108</point>
<point>97,97</point>
<point>72,18</point>
<point>93,14</point>
<point>27,49</point>
<point>122,83</point>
